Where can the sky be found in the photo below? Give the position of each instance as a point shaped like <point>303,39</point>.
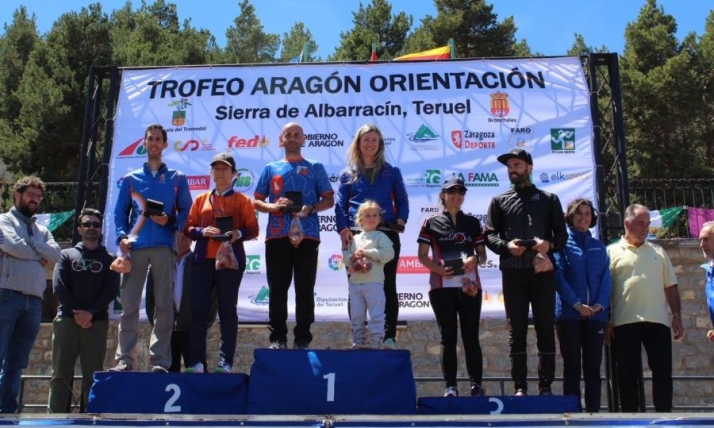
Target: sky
<point>548,25</point>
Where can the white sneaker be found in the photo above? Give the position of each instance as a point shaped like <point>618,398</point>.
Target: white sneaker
<point>389,344</point>
<point>223,367</point>
<point>451,391</point>
<point>196,368</point>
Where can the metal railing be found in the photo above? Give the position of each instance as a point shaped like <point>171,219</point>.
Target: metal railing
<point>502,381</point>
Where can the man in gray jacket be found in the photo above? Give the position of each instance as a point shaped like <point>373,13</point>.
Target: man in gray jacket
<point>25,250</point>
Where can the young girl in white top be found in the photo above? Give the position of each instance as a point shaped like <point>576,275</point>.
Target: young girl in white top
<point>365,257</point>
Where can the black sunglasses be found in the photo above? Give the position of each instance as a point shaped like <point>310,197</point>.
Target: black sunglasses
<point>94,224</point>
<point>452,190</point>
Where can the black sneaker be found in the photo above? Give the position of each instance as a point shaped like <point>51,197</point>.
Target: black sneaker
<point>121,367</point>
<point>278,344</point>
<point>545,391</point>
<point>300,345</point>
<point>477,391</point>
<point>159,369</point>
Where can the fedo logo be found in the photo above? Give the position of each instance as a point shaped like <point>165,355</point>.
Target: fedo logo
<point>134,149</point>
<point>335,262</point>
<point>248,143</point>
<point>244,180</point>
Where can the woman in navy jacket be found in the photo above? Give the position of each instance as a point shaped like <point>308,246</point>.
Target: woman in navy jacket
<point>582,303</point>
<point>368,176</point>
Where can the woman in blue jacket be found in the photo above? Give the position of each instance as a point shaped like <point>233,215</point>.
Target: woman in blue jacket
<point>369,176</point>
<point>582,303</point>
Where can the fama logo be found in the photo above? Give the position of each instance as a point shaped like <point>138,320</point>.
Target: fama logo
<point>178,116</point>
<point>423,134</point>
<point>244,179</point>
<point>262,298</point>
<point>134,149</point>
<point>480,179</point>
<point>562,140</point>
<point>248,143</point>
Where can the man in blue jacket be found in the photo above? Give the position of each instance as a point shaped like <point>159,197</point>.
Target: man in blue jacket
<point>149,236</point>
<point>25,249</point>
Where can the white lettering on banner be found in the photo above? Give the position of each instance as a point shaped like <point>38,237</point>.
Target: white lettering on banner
<point>437,120</point>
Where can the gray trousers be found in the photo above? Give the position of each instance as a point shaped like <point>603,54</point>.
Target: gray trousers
<point>364,298</point>
<point>132,287</point>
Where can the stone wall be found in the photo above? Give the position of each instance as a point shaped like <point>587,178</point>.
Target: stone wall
<point>693,355</point>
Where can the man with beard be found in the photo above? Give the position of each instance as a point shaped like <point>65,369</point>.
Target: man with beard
<point>147,230</point>
<point>521,223</point>
<point>307,180</point>
<point>25,249</point>
<point>84,286</point>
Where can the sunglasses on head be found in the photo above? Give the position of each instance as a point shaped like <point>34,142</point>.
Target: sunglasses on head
<point>94,224</point>
<point>452,190</point>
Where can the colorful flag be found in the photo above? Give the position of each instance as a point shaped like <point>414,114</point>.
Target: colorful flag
<point>437,53</point>
<point>374,55</point>
<point>54,220</point>
<point>664,218</point>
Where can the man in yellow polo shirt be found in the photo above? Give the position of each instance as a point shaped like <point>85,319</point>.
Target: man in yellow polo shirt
<point>643,283</point>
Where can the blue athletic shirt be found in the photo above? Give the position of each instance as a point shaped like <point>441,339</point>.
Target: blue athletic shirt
<point>306,176</point>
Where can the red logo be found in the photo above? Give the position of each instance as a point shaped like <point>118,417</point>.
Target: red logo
<point>134,148</point>
<point>456,138</point>
<point>410,264</point>
<point>191,145</point>
<point>247,143</point>
<point>199,182</point>
<point>500,106</point>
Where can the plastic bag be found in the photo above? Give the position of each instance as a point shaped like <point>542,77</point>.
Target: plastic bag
<point>361,264</point>
<point>471,283</point>
<point>542,263</point>
<point>225,258</point>
<point>122,264</point>
<point>296,233</point>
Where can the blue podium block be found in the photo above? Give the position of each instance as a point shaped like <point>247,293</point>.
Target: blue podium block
<point>176,393</point>
<point>329,382</point>
<point>497,405</point>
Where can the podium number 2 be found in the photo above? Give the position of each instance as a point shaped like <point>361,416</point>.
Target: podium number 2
<point>330,386</point>
<point>170,403</point>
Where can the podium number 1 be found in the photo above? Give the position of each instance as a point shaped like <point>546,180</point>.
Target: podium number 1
<point>330,386</point>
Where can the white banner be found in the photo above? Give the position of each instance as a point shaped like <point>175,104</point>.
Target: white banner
<point>438,119</point>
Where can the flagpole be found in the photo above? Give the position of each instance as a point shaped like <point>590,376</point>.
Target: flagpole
<point>304,52</point>
<point>452,48</point>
